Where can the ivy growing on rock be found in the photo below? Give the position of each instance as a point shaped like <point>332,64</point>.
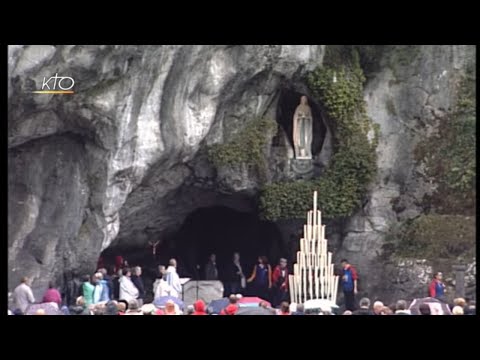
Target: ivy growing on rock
<point>449,154</point>
<point>435,237</point>
<point>246,147</point>
<point>341,188</point>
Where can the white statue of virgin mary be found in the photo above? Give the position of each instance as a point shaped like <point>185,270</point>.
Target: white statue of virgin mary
<point>302,130</point>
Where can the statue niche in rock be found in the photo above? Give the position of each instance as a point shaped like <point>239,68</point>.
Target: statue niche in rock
<point>303,130</point>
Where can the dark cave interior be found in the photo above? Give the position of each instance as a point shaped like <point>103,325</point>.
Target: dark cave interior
<point>216,229</point>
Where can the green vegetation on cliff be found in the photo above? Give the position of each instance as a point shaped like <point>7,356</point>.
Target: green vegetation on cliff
<point>338,86</point>
<point>448,159</point>
<point>247,146</point>
<point>435,237</point>
<point>449,154</point>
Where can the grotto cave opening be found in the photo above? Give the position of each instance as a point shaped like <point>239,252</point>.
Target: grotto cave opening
<point>287,103</point>
<point>222,230</point>
<point>216,229</point>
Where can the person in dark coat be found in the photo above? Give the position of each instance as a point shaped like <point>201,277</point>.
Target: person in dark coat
<point>116,284</point>
<point>364,307</point>
<point>235,279</point>
<point>138,282</point>
<point>211,272</point>
<point>72,288</point>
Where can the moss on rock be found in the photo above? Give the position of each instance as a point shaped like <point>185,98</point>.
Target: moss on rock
<point>438,236</point>
<point>449,155</point>
<point>247,146</point>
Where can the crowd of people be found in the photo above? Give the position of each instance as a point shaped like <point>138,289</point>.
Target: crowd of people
<point>121,291</point>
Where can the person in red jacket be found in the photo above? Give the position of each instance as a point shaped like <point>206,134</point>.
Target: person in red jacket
<point>280,282</point>
<point>437,287</point>
<point>199,307</point>
<point>52,295</point>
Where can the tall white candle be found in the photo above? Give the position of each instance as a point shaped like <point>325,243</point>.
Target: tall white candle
<point>304,271</point>
<point>310,282</point>
<point>328,284</point>
<point>333,279</point>
<point>291,287</point>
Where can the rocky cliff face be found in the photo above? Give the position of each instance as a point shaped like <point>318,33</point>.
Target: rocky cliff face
<point>109,161</point>
<point>406,99</point>
<point>123,159</point>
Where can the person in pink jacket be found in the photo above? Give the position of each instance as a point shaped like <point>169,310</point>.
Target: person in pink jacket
<point>52,295</point>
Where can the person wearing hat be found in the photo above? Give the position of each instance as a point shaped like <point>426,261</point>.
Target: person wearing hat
<point>199,306</point>
<point>230,310</point>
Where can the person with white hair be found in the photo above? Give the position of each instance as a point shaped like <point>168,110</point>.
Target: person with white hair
<point>377,308</point>
<point>457,310</point>
<point>172,309</point>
